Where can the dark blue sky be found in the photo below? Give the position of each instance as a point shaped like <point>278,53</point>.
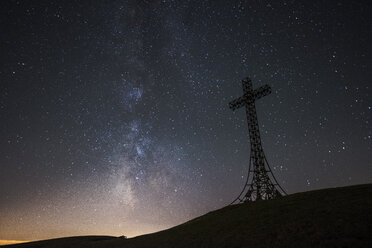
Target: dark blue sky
<point>114,115</point>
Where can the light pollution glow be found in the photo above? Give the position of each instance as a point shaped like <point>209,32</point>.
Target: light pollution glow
<point>113,204</point>
<point>11,242</point>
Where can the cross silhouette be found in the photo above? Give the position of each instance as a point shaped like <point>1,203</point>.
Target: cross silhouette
<point>260,187</point>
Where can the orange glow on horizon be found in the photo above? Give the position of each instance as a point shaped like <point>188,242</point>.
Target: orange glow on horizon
<point>11,242</point>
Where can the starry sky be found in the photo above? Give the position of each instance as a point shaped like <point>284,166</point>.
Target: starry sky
<point>115,120</point>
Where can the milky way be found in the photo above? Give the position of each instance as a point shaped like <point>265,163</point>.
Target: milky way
<point>115,119</point>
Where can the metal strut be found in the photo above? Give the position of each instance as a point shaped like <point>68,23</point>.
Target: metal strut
<point>245,185</point>
<point>241,199</point>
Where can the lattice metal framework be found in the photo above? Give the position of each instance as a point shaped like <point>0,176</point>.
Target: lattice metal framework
<point>261,183</point>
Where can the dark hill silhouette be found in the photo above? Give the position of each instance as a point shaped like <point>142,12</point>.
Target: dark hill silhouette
<point>338,217</point>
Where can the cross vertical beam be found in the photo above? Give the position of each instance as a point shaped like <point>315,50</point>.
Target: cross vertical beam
<point>260,186</point>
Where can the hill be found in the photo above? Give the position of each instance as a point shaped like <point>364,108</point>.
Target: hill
<point>338,217</point>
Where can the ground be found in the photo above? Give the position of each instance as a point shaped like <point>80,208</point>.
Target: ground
<point>337,217</point>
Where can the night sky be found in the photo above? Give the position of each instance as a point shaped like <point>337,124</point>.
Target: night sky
<point>115,120</point>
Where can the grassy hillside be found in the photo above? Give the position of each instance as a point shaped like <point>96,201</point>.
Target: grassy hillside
<point>339,217</point>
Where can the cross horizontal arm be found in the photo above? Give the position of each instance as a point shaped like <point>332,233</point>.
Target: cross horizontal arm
<point>237,103</point>
<point>257,94</point>
<point>261,92</point>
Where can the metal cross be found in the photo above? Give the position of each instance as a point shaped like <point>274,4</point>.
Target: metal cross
<point>260,186</point>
